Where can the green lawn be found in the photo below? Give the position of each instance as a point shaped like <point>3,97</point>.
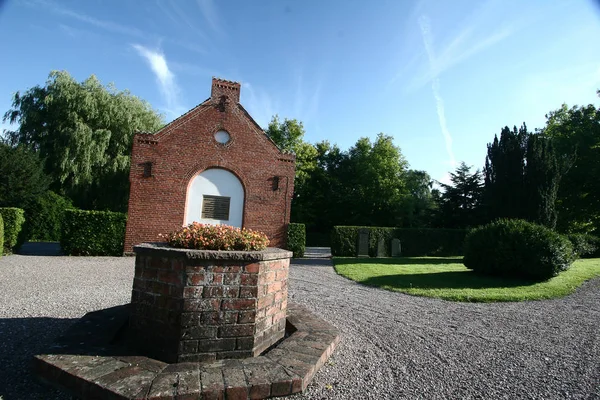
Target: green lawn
<point>447,278</point>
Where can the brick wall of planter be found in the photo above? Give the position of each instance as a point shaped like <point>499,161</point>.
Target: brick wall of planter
<point>192,305</point>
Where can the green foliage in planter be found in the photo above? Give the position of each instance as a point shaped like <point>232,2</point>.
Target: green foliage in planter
<point>296,239</point>
<point>44,217</point>
<point>585,245</point>
<point>415,242</point>
<point>13,222</point>
<point>1,235</point>
<point>519,249</point>
<point>93,233</point>
<point>217,237</point>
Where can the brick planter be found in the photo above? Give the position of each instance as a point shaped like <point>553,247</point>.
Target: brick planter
<point>196,305</point>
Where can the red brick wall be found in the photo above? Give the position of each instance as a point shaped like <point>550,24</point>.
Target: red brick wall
<point>186,147</point>
<point>187,309</point>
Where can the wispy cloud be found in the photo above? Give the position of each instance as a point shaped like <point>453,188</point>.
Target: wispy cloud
<point>425,26</point>
<point>306,99</point>
<point>475,36</point>
<point>209,12</point>
<point>76,33</point>
<point>165,78</point>
<point>178,16</point>
<point>259,104</point>
<point>113,27</point>
<point>103,24</point>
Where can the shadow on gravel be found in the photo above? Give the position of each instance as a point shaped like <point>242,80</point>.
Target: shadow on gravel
<point>313,262</point>
<point>443,280</point>
<point>40,249</point>
<point>21,339</point>
<point>402,260</point>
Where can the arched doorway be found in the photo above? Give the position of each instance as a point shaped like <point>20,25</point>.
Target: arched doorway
<point>215,196</point>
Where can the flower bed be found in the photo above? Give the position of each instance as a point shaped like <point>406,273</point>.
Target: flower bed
<point>217,237</point>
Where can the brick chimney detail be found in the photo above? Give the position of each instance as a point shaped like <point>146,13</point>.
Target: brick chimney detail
<point>222,87</point>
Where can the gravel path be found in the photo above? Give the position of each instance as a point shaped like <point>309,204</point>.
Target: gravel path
<point>393,346</point>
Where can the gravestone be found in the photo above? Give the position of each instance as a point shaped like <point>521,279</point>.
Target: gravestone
<point>381,247</point>
<point>396,247</point>
<point>363,242</point>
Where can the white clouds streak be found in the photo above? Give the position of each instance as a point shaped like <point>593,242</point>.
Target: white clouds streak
<point>166,79</point>
<point>259,104</point>
<point>435,86</point>
<point>306,105</point>
<point>106,25</point>
<point>477,34</point>
<point>209,12</point>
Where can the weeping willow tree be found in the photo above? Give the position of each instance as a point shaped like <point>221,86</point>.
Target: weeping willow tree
<point>83,132</point>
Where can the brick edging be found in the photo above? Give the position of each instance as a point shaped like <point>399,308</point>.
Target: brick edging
<point>158,248</point>
<point>85,362</point>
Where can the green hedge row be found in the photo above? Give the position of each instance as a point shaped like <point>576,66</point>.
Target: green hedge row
<point>414,242</point>
<point>584,245</point>
<point>93,233</point>
<point>1,235</point>
<point>296,239</point>
<point>43,219</point>
<point>13,222</point>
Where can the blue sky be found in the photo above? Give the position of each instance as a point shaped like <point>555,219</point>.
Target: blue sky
<point>440,77</point>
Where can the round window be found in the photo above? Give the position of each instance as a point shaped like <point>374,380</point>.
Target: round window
<point>222,137</point>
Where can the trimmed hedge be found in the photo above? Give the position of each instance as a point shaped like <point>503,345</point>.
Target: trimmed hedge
<point>296,239</point>
<point>13,222</point>
<point>415,242</point>
<point>93,233</point>
<point>1,235</point>
<point>517,249</point>
<point>44,218</point>
<point>585,246</point>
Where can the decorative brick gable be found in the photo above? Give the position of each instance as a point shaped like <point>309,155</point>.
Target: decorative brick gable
<point>163,165</point>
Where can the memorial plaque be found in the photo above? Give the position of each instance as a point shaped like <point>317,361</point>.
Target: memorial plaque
<point>381,247</point>
<point>363,242</point>
<point>396,248</point>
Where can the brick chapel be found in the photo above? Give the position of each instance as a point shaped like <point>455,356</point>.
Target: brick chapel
<point>213,165</point>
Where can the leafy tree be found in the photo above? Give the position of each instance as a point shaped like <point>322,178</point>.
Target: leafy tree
<point>460,203</point>
<point>323,202</point>
<point>522,176</point>
<point>376,182</point>
<point>287,135</point>
<point>419,202</point>
<point>365,185</point>
<point>543,174</point>
<point>504,174</point>
<point>22,178</point>
<point>576,134</point>
<point>83,132</point>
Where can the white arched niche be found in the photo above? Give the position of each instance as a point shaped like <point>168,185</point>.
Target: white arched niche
<point>215,196</point>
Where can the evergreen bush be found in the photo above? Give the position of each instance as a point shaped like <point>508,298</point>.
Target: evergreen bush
<point>296,239</point>
<point>517,249</point>
<point>93,233</point>
<point>585,245</point>
<point>13,223</point>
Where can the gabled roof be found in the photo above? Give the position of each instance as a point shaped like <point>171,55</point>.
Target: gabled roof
<point>165,130</point>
